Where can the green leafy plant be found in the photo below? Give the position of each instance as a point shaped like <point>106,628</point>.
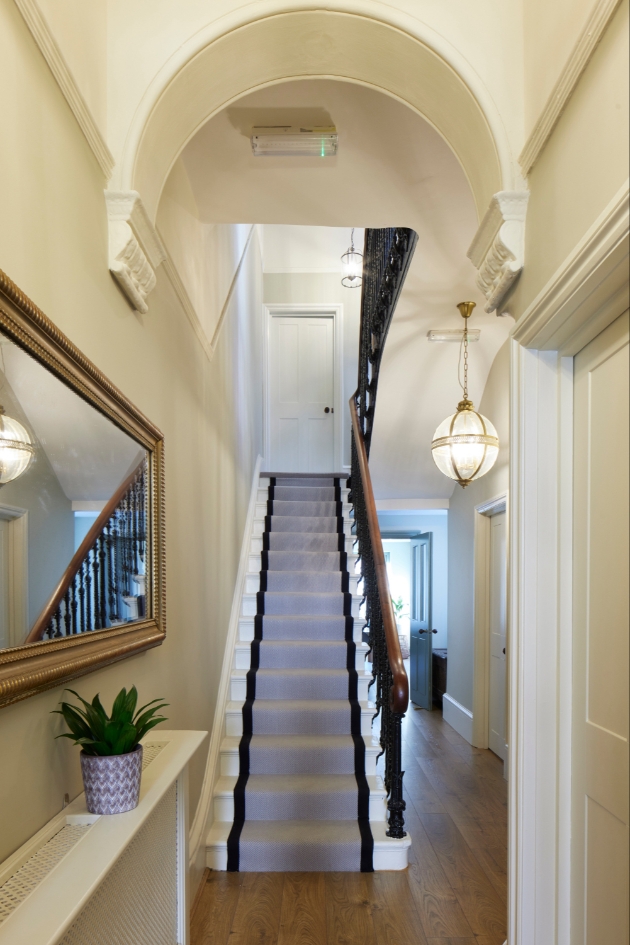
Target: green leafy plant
<point>398,606</point>
<point>100,734</point>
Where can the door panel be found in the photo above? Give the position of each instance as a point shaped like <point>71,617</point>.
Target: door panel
<point>421,636</point>
<point>600,656</point>
<point>498,623</point>
<point>301,393</point>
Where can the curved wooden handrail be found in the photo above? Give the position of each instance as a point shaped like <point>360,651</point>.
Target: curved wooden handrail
<point>400,687</point>
<point>39,627</point>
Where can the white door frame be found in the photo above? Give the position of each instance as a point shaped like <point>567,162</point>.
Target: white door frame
<point>18,571</point>
<point>310,310</point>
<point>481,632</point>
<point>586,294</point>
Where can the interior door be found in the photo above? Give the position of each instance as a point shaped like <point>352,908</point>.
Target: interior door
<point>498,624</point>
<point>301,389</point>
<point>599,857</point>
<point>421,642</point>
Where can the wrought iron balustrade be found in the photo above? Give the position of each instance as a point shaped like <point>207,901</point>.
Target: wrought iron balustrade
<point>103,585</point>
<point>387,255</point>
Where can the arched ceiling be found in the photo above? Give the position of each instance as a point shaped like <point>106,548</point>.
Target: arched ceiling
<point>392,169</point>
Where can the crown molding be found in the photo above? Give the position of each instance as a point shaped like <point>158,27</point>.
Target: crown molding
<point>51,52</point>
<point>135,247</point>
<point>600,17</point>
<point>498,247</point>
<point>588,291</point>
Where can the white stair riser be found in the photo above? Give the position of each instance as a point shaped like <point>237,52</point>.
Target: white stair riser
<point>263,495</point>
<point>224,808</point>
<point>252,583</point>
<point>243,654</point>
<point>259,528</point>
<point>230,762</point>
<point>256,545</point>
<point>254,563</point>
<point>250,606</point>
<point>246,630</point>
<point>261,510</point>
<point>234,722</point>
<point>238,688</point>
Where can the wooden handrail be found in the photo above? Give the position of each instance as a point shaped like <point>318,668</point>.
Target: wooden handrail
<point>400,687</point>
<point>42,622</point>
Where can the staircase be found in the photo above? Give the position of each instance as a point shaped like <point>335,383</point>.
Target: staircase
<point>298,787</point>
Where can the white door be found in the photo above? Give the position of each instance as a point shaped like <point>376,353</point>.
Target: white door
<point>599,894</point>
<point>498,622</point>
<point>301,393</point>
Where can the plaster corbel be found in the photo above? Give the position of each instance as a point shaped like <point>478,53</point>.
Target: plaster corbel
<point>497,249</point>
<point>135,248</point>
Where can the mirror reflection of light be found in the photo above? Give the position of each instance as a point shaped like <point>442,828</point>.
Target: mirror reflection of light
<point>16,449</point>
<point>352,266</point>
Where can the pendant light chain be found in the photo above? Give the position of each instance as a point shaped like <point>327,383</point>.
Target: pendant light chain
<point>466,360</point>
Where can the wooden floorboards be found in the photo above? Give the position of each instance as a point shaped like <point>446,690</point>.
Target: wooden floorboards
<point>453,893</point>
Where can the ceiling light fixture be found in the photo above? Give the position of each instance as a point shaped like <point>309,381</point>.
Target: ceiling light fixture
<point>16,449</point>
<point>453,334</point>
<point>352,266</point>
<point>294,141</point>
<point>465,445</point>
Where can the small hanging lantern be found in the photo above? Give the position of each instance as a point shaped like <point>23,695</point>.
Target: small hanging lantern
<point>16,449</point>
<point>465,445</point>
<point>352,266</point>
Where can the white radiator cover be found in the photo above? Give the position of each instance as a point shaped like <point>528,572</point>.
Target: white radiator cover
<point>117,880</point>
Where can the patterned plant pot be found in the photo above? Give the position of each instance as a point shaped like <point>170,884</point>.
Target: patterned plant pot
<point>112,782</point>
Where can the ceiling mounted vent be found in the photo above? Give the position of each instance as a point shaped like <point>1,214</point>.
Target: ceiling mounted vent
<point>294,141</point>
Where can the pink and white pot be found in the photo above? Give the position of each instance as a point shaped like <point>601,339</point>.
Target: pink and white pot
<point>112,782</point>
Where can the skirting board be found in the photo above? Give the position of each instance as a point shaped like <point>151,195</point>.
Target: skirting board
<point>458,717</point>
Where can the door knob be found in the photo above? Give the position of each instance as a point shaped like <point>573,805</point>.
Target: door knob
<point>504,651</point>
<point>326,409</point>
<point>427,631</point>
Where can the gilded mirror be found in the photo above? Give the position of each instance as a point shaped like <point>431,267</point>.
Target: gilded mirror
<point>81,511</point>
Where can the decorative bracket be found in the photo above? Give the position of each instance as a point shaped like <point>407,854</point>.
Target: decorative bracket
<point>135,248</point>
<point>497,250</point>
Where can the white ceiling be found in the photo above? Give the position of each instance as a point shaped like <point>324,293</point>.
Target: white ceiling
<point>392,169</point>
<point>89,455</point>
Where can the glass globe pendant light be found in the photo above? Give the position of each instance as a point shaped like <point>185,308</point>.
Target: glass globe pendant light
<point>465,445</point>
<point>16,449</point>
<point>352,266</point>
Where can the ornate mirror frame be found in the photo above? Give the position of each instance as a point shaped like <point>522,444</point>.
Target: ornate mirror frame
<point>31,668</point>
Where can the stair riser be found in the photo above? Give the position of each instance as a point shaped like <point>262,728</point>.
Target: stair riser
<point>256,545</point>
<point>246,630</point>
<point>234,724</point>
<point>250,607</point>
<point>224,810</point>
<point>254,563</point>
<point>259,528</point>
<point>263,495</point>
<point>238,690</point>
<point>230,764</point>
<point>252,582</point>
<point>243,655</point>
<point>261,510</point>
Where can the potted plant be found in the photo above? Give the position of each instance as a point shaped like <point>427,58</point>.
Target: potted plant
<point>111,755</point>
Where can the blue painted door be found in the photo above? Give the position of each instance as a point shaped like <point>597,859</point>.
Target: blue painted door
<point>421,647</point>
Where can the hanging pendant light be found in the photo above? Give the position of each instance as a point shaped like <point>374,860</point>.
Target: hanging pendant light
<point>352,266</point>
<point>16,449</point>
<point>465,445</point>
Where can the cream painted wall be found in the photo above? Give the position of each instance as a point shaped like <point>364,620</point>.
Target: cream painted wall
<point>53,243</point>
<point>582,166</point>
<point>316,287</point>
<point>461,514</point>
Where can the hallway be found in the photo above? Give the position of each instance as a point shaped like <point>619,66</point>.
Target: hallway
<point>453,893</point>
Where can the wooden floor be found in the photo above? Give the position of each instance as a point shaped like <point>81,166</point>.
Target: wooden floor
<point>453,893</point>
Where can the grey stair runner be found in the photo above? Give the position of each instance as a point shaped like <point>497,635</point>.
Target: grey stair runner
<point>301,801</point>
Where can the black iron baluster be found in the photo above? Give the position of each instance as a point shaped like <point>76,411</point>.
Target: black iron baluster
<point>81,580</point>
<point>111,569</point>
<point>88,594</point>
<point>95,586</point>
<point>66,613</point>
<point>102,552</point>
<point>73,605</point>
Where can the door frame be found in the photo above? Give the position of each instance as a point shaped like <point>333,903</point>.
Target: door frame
<point>587,293</point>
<point>332,310</point>
<point>481,620</point>
<point>18,570</point>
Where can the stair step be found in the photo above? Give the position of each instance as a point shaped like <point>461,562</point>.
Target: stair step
<point>314,605</point>
<point>299,717</point>
<point>308,754</point>
<point>308,510</point>
<point>331,836</point>
<point>255,563</point>
<point>299,797</point>
<point>252,580</point>
<point>311,684</point>
<point>304,525</point>
<point>302,542</point>
<point>246,628</point>
<point>308,653</point>
<point>310,494</point>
